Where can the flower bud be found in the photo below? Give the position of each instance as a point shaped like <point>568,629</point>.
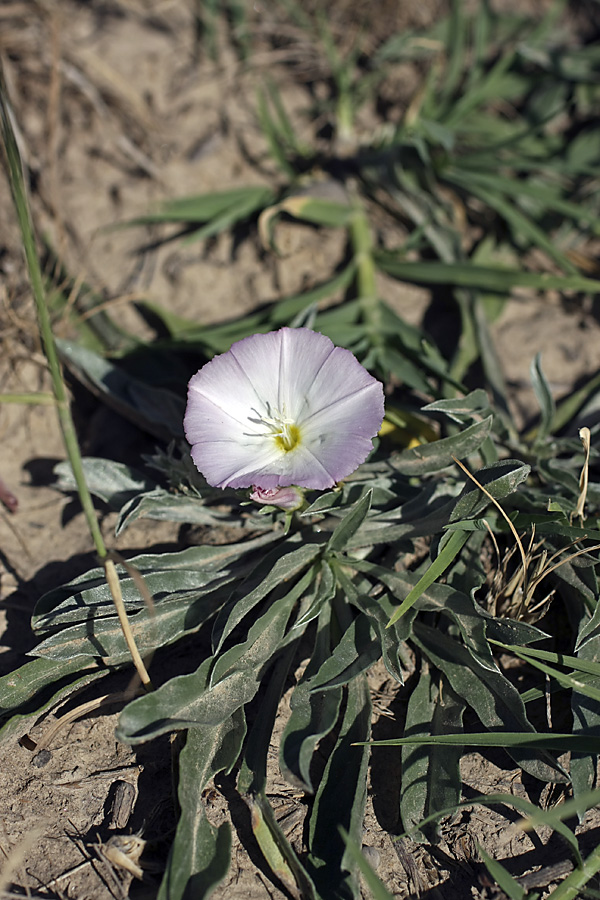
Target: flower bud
<point>288,498</point>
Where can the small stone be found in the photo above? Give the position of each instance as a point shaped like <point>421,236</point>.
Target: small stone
<point>41,759</point>
<point>372,856</point>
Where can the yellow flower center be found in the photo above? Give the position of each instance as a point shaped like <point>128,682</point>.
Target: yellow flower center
<point>288,437</point>
<point>281,428</point>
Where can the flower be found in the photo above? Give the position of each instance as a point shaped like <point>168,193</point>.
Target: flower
<point>288,498</point>
<point>279,409</point>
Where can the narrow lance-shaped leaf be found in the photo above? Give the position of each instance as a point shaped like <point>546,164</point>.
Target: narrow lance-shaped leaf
<point>544,398</point>
<point>37,685</point>
<point>313,713</point>
<point>495,700</point>
<point>113,482</point>
<point>500,479</point>
<point>277,568</point>
<point>340,801</point>
<point>435,456</point>
<point>154,409</point>
<point>166,623</point>
<point>485,277</point>
<point>186,700</point>
<point>252,783</point>
<point>350,524</point>
<point>166,576</point>
<point>451,549</point>
<point>200,854</point>
<point>204,207</point>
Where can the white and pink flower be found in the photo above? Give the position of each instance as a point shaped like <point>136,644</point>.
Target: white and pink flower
<point>280,409</point>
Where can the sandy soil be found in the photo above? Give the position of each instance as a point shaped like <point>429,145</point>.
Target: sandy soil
<point>119,108</point>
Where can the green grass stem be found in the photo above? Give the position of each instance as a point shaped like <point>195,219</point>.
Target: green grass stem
<point>17,185</point>
<point>362,245</point>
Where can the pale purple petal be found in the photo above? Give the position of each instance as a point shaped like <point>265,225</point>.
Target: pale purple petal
<point>304,353</point>
<point>229,389</point>
<point>340,377</point>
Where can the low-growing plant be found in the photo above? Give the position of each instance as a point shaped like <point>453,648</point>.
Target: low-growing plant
<point>388,560</point>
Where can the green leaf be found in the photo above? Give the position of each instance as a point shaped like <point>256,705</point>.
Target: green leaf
<point>521,225</point>
<point>200,855</point>
<point>573,886</point>
<point>503,879</point>
<point>39,684</point>
<point>340,800</point>
<point>379,610</point>
<point>430,779</point>
<point>589,629</point>
<point>207,207</point>
<point>318,210</point>
<point>252,783</point>
<point>281,565</point>
<point>166,506</point>
<point>451,549</point>
<point>350,524</point>
<point>565,810</point>
<point>286,309</point>
<point>495,700</point>
<point>428,458</point>
<point>276,849</point>
<point>313,715</point>
<point>321,595</point>
<point>230,217</point>
<point>154,409</point>
<point>535,657</point>
<point>544,398</point>
<point>113,482</point>
<point>500,479</point>
<point>373,883</point>
<point>461,409</point>
<point>168,576</point>
<point>169,621</point>
<point>190,700</point>
<point>586,718</point>
<point>356,651</point>
<point>509,740</point>
<point>484,277</point>
<point>528,810</point>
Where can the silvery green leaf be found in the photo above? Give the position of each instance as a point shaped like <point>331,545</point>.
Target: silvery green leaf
<point>187,701</point>
<point>437,455</point>
<point>283,563</point>
<point>201,852</point>
<point>167,575</point>
<point>544,398</point>
<point>113,482</point>
<point>460,409</point>
<point>499,479</point>
<point>490,694</point>
<point>340,800</point>
<point>167,506</point>
<point>154,409</point>
<point>313,713</point>
<point>350,524</point>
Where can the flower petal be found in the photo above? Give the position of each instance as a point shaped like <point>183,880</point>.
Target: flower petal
<point>230,464</point>
<point>340,378</point>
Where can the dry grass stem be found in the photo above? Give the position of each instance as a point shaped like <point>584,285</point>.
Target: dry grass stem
<point>586,439</point>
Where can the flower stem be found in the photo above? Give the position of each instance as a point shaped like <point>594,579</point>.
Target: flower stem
<point>362,244</point>
<point>17,184</point>
<point>37,399</point>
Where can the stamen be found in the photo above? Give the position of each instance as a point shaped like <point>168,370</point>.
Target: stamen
<point>280,427</point>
